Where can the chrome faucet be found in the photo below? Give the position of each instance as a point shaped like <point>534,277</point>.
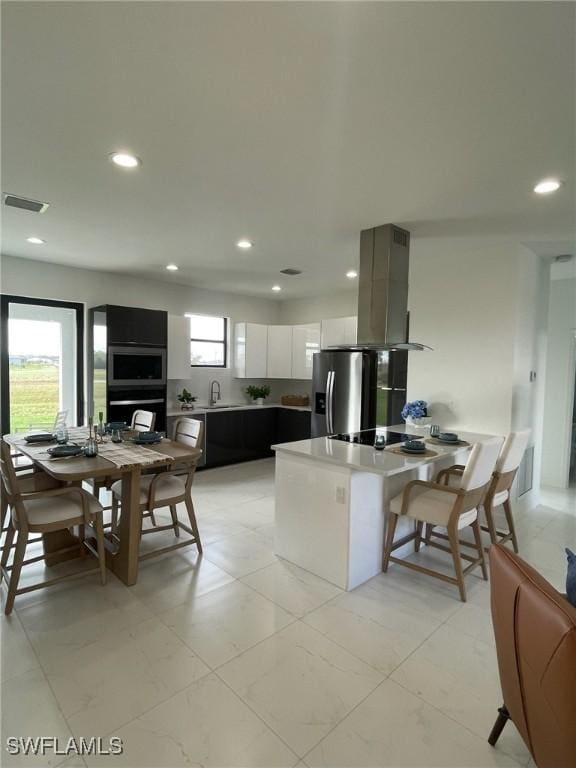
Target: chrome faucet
<point>214,396</point>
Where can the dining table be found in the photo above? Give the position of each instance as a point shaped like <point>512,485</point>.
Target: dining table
<point>125,461</point>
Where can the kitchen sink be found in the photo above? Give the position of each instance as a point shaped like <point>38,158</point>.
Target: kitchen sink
<point>219,407</point>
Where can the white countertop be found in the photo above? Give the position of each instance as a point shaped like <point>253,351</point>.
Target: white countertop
<point>365,459</point>
<point>201,409</point>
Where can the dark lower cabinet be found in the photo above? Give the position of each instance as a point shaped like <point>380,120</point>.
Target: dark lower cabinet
<point>292,426</point>
<point>235,436</point>
<point>259,433</point>
<point>224,438</point>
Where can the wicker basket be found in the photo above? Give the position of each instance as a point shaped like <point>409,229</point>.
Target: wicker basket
<point>295,400</point>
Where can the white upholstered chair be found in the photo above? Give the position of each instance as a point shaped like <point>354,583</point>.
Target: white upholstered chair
<point>143,421</point>
<point>448,507</point>
<point>169,488</point>
<point>43,511</point>
<point>498,493</point>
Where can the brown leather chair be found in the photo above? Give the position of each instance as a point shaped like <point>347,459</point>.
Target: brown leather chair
<point>535,630</point>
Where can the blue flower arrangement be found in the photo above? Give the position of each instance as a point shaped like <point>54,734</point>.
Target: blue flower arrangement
<point>416,409</point>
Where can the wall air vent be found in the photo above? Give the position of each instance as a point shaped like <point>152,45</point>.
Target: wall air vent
<point>291,271</point>
<point>400,237</point>
<point>25,203</point>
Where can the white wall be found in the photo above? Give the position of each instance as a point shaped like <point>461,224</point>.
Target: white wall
<point>313,309</point>
<point>24,277</point>
<point>461,304</point>
<point>530,348</point>
<point>559,393</point>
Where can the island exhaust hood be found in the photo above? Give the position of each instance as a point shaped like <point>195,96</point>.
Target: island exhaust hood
<point>383,290</point>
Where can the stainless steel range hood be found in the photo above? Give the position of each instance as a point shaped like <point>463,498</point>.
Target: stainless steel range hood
<point>383,290</point>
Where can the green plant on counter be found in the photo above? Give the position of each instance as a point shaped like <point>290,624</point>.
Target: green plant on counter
<point>186,397</point>
<point>257,392</point>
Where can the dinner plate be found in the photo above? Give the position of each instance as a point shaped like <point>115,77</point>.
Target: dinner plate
<point>41,437</point>
<point>60,451</point>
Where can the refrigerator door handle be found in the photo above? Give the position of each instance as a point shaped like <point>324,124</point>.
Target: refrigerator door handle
<point>329,402</point>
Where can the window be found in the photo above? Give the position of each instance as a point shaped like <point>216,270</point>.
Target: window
<point>208,341</point>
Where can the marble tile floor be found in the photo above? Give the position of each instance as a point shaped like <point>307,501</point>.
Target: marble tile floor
<point>241,659</point>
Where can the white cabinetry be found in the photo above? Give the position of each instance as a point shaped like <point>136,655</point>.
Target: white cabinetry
<point>339,330</point>
<point>250,350</point>
<point>279,352</point>
<point>178,347</point>
<point>305,342</point>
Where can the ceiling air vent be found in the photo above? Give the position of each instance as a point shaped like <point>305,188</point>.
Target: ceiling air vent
<point>291,271</point>
<point>25,203</point>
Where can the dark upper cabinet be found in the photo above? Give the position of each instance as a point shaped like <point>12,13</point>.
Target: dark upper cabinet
<point>129,325</point>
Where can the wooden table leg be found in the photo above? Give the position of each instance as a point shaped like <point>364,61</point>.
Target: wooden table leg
<point>56,540</point>
<point>125,562</point>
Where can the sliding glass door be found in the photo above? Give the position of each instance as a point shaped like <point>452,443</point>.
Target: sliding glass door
<point>42,362</point>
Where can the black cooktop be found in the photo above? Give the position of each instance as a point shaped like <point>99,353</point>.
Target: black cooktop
<point>367,437</point>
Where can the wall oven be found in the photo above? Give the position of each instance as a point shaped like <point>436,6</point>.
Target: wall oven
<point>136,366</point>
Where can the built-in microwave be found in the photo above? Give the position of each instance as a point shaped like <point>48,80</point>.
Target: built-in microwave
<point>136,366</point>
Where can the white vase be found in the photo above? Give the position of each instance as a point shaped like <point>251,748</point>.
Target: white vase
<point>419,421</point>
<point>258,401</point>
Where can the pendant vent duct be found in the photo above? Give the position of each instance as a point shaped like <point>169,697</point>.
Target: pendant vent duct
<point>25,203</point>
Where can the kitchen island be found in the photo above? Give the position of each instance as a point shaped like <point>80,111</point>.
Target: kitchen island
<point>332,500</point>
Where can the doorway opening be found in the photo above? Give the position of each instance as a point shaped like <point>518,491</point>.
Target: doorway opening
<point>42,362</point>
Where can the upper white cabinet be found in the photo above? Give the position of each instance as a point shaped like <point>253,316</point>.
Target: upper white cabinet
<point>339,330</point>
<point>178,347</point>
<point>280,352</point>
<point>286,351</point>
<point>251,350</point>
<point>305,342</point>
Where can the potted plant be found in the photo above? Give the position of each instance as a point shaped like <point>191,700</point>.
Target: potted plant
<point>187,400</point>
<point>415,413</point>
<point>258,393</point>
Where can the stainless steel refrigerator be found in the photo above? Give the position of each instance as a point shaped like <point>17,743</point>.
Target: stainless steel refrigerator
<point>357,389</point>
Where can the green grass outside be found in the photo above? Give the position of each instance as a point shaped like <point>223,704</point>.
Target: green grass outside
<point>34,400</point>
<point>34,397</point>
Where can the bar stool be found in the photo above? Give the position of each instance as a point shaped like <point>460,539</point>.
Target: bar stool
<point>498,493</point>
<point>452,508</point>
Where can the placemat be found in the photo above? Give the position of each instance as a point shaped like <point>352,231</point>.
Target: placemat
<point>397,449</point>
<point>130,455</point>
<point>434,441</point>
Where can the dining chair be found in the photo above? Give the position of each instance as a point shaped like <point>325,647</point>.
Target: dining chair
<point>449,507</point>
<point>44,511</point>
<point>30,479</point>
<point>500,488</point>
<point>169,488</point>
<point>143,421</point>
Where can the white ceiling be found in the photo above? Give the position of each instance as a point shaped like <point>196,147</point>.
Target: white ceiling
<point>293,124</point>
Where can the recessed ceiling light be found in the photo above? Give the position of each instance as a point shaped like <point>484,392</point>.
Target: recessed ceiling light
<point>125,160</point>
<point>244,244</point>
<point>172,267</point>
<point>351,274</point>
<point>276,288</point>
<point>35,240</point>
<point>547,186</point>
